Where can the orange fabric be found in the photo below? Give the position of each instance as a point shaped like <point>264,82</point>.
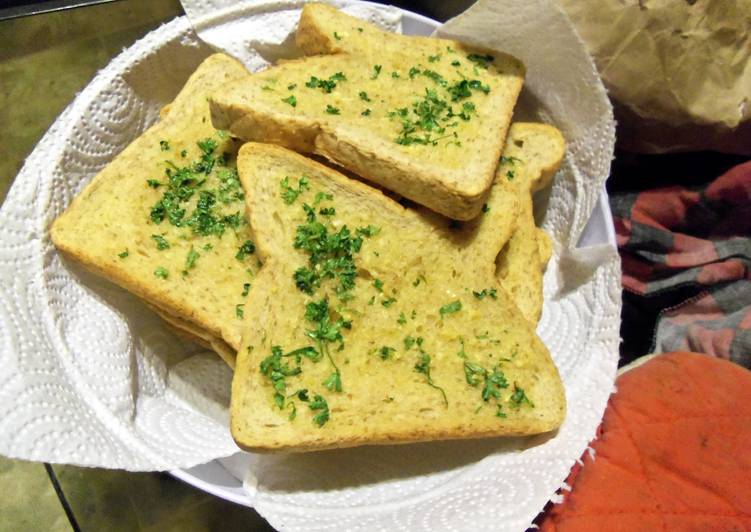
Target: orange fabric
<point>673,453</point>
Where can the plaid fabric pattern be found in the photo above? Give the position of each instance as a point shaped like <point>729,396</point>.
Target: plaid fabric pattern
<point>696,245</point>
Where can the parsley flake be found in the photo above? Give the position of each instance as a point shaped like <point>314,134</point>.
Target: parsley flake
<point>481,60</point>
<point>239,312</point>
<point>423,366</point>
<point>161,242</point>
<point>320,404</point>
<point>164,145</point>
<point>291,100</point>
<point>289,194</point>
<point>376,71</point>
<point>326,85</point>
<point>450,308</point>
<point>124,254</point>
<point>492,292</point>
<point>247,248</point>
<point>161,272</point>
<point>330,109</point>
<point>385,352</point>
<point>190,260</point>
<point>364,96</point>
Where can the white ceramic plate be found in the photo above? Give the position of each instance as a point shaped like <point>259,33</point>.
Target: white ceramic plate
<point>223,478</point>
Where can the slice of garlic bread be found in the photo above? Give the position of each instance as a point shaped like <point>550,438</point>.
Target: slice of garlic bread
<point>371,323</point>
<point>166,218</point>
<point>532,155</point>
<point>425,118</point>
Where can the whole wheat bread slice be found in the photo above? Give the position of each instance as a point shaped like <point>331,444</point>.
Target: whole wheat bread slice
<point>426,342</point>
<point>532,156</point>
<point>425,118</point>
<point>110,228</point>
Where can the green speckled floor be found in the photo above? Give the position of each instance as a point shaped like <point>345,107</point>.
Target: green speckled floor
<point>44,61</point>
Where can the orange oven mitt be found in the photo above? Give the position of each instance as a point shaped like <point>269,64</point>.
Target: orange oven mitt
<point>673,452</point>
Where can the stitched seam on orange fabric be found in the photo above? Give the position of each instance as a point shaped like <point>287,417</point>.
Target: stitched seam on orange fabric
<point>641,460</point>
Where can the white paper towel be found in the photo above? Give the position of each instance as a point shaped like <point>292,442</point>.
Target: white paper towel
<point>89,376</point>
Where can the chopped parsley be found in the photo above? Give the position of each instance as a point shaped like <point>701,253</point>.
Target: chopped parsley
<point>463,89</point>
<point>326,85</point>
<point>385,352</point>
<point>337,36</point>
<point>376,71</point>
<point>402,319</point>
<point>413,72</point>
<point>322,196</point>
<point>434,58</point>
<point>190,260</point>
<point>246,290</point>
<point>164,145</point>
<point>388,302</point>
<point>409,342</point>
<point>519,397</point>
<point>366,112</point>
<point>330,109</point>
<point>510,175</point>
<point>239,312</point>
<point>425,120</point>
<point>330,255</point>
<point>395,75</point>
<point>161,242</point>
<point>491,292</point>
<point>153,183</point>
<point>510,160</point>
<point>247,248</point>
<point>481,60</point>
<point>455,63</point>
<point>184,182</point>
<point>450,308</point>
<point>378,284</point>
<point>291,86</point>
<point>326,331</point>
<point>319,404</point>
<point>289,194</point>
<point>291,100</point>
<point>485,208</point>
<point>161,272</point>
<point>368,230</point>
<point>124,254</point>
<point>420,279</point>
<point>277,370</point>
<point>423,366</point>
<point>364,96</point>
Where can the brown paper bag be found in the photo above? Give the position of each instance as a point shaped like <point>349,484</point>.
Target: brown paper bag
<point>678,71</point>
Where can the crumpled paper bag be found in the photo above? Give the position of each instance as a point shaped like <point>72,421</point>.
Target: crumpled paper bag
<point>89,376</point>
<point>678,71</point>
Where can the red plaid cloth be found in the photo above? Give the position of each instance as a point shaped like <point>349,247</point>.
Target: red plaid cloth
<point>673,239</point>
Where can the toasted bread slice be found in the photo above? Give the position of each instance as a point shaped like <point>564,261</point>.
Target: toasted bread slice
<point>188,330</point>
<point>425,118</point>
<point>370,323</point>
<point>532,155</point>
<point>545,248</point>
<point>118,224</point>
